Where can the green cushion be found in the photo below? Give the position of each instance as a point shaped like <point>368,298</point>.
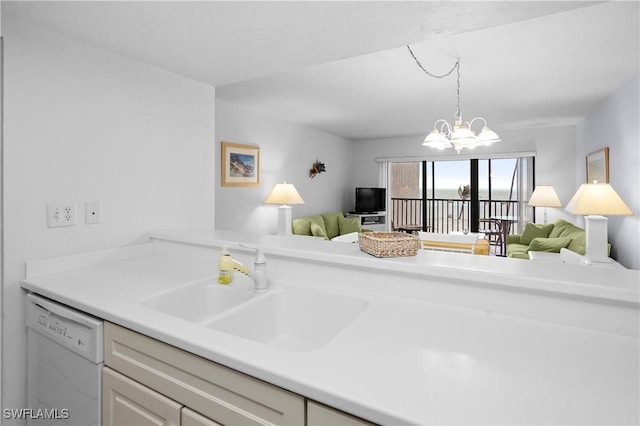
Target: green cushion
<point>514,249</point>
<point>513,239</point>
<point>559,226</point>
<point>532,230</point>
<point>571,231</point>
<point>331,223</point>
<point>318,220</point>
<point>578,242</point>
<point>349,224</point>
<point>318,231</point>
<point>566,229</point>
<point>550,245</point>
<point>301,226</point>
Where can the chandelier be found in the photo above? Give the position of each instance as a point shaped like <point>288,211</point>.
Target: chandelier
<point>459,135</point>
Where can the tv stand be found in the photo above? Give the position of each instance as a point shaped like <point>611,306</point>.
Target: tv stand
<point>374,221</point>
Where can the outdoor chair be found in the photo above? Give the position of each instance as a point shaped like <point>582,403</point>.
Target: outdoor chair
<point>491,228</point>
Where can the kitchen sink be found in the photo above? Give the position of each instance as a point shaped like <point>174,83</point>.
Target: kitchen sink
<point>292,318</point>
<point>199,301</point>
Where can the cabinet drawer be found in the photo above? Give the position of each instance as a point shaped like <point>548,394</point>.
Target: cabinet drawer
<point>191,418</point>
<point>321,415</point>
<point>224,395</point>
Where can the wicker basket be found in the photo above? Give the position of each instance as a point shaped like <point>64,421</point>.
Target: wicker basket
<point>388,244</point>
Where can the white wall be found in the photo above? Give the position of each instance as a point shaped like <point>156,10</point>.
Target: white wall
<point>287,152</point>
<point>615,123</point>
<point>82,124</point>
<point>555,151</point>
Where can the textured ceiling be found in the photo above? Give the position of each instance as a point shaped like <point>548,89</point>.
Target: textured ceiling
<point>342,66</point>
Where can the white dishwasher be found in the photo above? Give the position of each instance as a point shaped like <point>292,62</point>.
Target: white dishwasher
<point>65,359</point>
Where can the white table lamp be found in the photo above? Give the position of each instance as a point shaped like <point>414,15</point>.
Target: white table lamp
<point>284,194</point>
<point>595,200</point>
<point>544,196</point>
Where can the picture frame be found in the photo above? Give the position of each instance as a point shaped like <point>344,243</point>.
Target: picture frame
<point>240,164</point>
<point>598,166</point>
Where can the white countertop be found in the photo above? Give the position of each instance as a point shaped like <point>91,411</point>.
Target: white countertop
<point>575,280</point>
<point>403,360</point>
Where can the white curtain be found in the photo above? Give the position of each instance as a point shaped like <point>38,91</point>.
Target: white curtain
<point>383,182</point>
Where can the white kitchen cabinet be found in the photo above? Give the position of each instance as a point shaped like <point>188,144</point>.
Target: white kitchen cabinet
<point>216,392</point>
<point>126,402</point>
<point>191,418</point>
<point>321,415</point>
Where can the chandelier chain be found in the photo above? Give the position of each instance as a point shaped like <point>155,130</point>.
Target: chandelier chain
<point>455,67</point>
<point>459,135</point>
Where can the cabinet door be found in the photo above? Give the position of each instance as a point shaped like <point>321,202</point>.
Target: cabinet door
<point>191,418</point>
<point>321,415</point>
<point>215,391</point>
<point>128,403</point>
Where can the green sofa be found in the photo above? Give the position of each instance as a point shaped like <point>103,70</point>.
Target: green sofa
<point>326,225</point>
<point>548,238</point>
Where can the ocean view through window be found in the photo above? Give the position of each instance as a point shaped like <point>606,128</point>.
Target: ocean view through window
<point>459,195</point>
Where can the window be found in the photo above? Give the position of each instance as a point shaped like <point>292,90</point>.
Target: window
<point>439,196</point>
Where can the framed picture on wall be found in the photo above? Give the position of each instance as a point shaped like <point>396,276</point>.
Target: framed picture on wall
<point>240,164</point>
<point>598,166</point>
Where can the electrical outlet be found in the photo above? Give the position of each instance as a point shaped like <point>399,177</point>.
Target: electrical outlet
<point>92,212</point>
<point>61,214</point>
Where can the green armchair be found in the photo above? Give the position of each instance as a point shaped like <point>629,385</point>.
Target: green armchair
<point>548,238</point>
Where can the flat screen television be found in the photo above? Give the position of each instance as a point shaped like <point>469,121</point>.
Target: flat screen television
<point>370,200</point>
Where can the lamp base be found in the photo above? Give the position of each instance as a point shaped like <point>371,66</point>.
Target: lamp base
<point>284,220</point>
<point>596,238</point>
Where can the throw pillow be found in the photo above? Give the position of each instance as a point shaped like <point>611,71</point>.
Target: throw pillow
<point>578,242</point>
<point>550,245</point>
<point>348,225</point>
<point>301,226</point>
<point>318,220</point>
<point>532,231</point>
<point>559,225</point>
<point>331,221</point>
<point>318,231</point>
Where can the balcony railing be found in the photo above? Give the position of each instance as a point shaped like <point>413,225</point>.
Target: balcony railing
<point>447,215</point>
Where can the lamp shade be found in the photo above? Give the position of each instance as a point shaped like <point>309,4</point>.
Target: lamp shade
<point>284,193</point>
<point>463,133</point>
<point>437,140</point>
<point>544,196</point>
<point>597,199</point>
<point>488,136</point>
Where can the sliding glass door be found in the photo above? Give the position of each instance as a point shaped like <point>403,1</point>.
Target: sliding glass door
<point>460,195</point>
